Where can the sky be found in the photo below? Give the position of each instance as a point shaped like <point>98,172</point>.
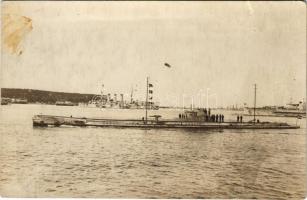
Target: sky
<point>217,50</point>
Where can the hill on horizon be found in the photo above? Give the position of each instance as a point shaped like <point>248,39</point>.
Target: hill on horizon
<point>42,96</point>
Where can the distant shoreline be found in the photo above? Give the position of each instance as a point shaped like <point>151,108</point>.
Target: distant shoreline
<point>44,96</point>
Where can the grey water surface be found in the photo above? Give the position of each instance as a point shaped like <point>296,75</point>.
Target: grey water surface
<point>139,163</point>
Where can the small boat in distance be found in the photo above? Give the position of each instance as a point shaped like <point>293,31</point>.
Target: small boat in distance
<point>5,101</point>
<point>290,110</point>
<point>20,101</point>
<point>65,103</point>
<point>295,109</point>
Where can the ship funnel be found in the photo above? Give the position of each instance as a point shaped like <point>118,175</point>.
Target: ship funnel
<point>115,97</point>
<point>109,97</point>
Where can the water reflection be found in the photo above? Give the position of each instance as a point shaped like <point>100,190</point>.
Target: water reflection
<point>136,163</point>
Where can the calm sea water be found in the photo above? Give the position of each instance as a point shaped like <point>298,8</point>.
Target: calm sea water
<point>136,163</point>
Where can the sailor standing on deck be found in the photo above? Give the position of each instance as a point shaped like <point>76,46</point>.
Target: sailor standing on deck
<point>238,118</point>
<point>241,118</point>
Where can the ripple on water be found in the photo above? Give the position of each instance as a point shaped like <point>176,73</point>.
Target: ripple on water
<point>50,190</point>
<point>97,162</point>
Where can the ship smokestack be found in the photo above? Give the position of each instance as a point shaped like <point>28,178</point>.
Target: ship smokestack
<point>109,97</point>
<point>115,97</point>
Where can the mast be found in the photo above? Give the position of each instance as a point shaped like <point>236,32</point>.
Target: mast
<point>102,88</point>
<point>255,103</point>
<point>131,95</point>
<point>146,100</point>
<point>101,96</point>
